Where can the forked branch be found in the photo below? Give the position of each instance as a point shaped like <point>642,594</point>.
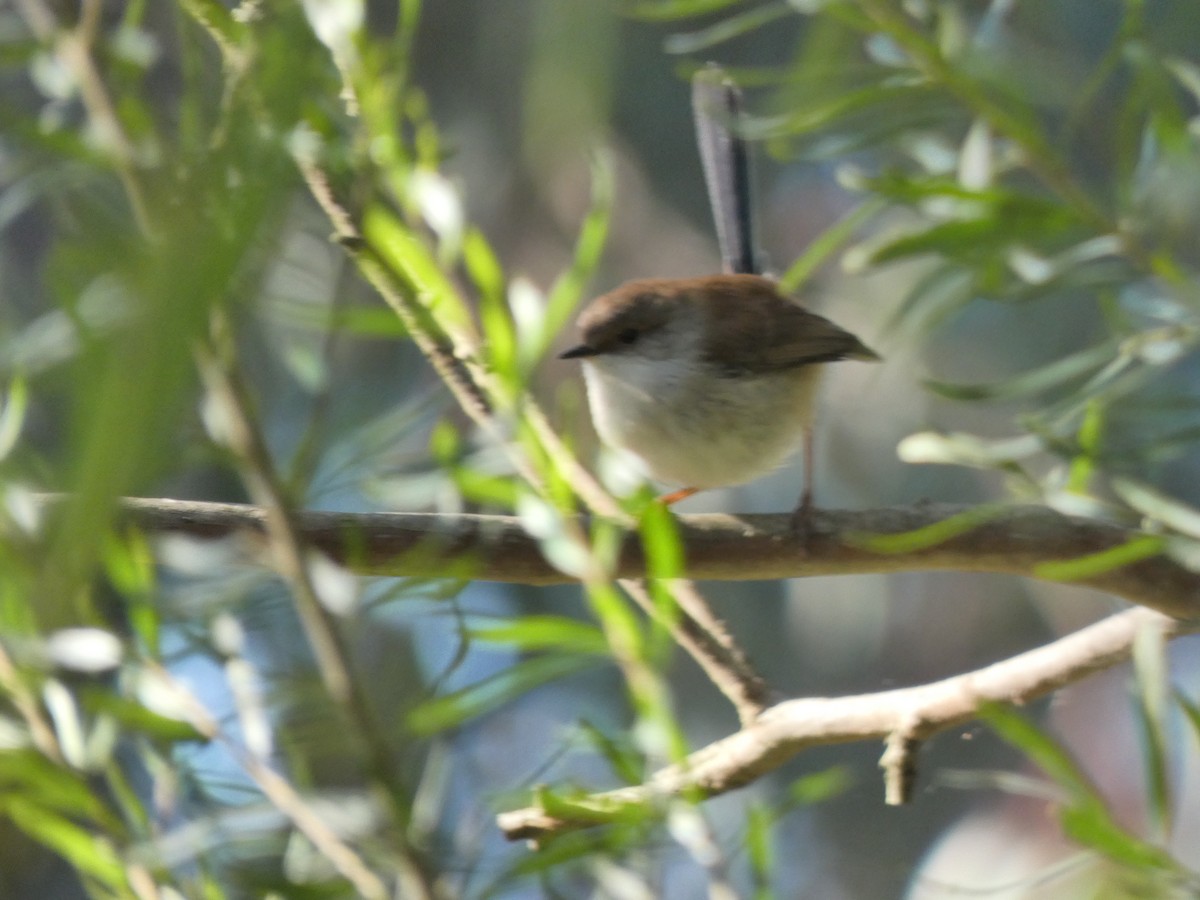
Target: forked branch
<point>903,717</point>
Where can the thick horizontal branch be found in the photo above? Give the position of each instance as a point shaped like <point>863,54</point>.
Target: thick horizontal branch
<point>1016,540</point>
<point>914,714</point>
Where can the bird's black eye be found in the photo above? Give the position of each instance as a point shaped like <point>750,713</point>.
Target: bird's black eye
<point>628,336</point>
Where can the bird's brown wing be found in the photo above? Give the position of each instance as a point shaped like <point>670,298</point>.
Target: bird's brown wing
<point>778,334</point>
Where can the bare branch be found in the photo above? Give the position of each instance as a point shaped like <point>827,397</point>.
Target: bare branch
<point>905,716</point>
<point>718,547</point>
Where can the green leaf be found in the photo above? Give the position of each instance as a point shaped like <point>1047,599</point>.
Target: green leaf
<point>1150,674</point>
<point>490,490</point>
<point>1094,564</point>
<point>627,763</point>
<point>661,542</point>
<point>499,330</point>
<point>460,707</point>
<point>1041,379</point>
<point>1191,712</point>
<point>588,807</point>
<point>1003,220</point>
<point>1041,749</point>
<point>818,787</point>
<point>138,718</point>
<point>483,265</point>
<point>414,262</point>
<point>545,633</point>
<point>1156,505</point>
<point>827,243</point>
<point>930,535</point>
<point>961,449</point>
<point>960,238</point>
<point>90,853</point>
<point>215,17</point>
<point>911,190</point>
<point>933,299</point>
<point>622,628</point>
<point>577,847</point>
<point>368,322</point>
<point>666,10</point>
<point>727,29</point>
<point>445,443</point>
<point>129,563</point>
<point>373,321</point>
<point>663,549</point>
<point>760,829</point>
<point>28,774</point>
<point>1091,432</point>
<point>12,415</point>
<point>1092,826</point>
<point>816,113</point>
<point>1085,818</point>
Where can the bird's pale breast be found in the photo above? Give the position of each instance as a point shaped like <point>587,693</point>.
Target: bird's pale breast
<point>691,426</point>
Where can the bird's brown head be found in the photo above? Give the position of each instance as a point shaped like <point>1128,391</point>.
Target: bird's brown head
<point>634,315</point>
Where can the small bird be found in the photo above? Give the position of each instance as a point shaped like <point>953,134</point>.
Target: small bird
<point>710,381</point>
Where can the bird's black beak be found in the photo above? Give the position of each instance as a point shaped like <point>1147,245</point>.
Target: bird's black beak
<point>579,352</point>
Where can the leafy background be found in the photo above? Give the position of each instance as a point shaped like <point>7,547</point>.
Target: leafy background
<point>1002,198</point>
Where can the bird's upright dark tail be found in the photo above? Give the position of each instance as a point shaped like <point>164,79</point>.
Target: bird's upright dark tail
<point>717,107</point>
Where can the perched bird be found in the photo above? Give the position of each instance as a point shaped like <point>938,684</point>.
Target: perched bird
<point>708,381</point>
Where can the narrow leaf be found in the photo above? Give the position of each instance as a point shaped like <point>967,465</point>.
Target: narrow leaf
<point>460,707</point>
<point>89,853</point>
<point>1156,505</point>
<point>827,243</point>
<point>414,262</point>
<point>726,29</point>
<point>1035,381</point>
<point>545,633</point>
<point>1094,564</point>
<point>666,10</point>
<point>931,535</point>
<point>1150,672</point>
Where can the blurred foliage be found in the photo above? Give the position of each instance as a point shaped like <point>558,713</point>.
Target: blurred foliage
<point>1133,865</point>
<point>168,725</point>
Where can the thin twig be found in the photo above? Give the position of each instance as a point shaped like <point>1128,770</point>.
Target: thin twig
<point>74,48</point>
<point>281,793</point>
<point>706,639</point>
<point>26,702</point>
<point>289,554</point>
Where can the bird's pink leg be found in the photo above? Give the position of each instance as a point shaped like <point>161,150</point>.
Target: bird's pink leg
<point>676,496</point>
<point>803,510</point>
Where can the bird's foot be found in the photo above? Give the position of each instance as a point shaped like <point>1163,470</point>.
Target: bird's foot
<point>801,521</point>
